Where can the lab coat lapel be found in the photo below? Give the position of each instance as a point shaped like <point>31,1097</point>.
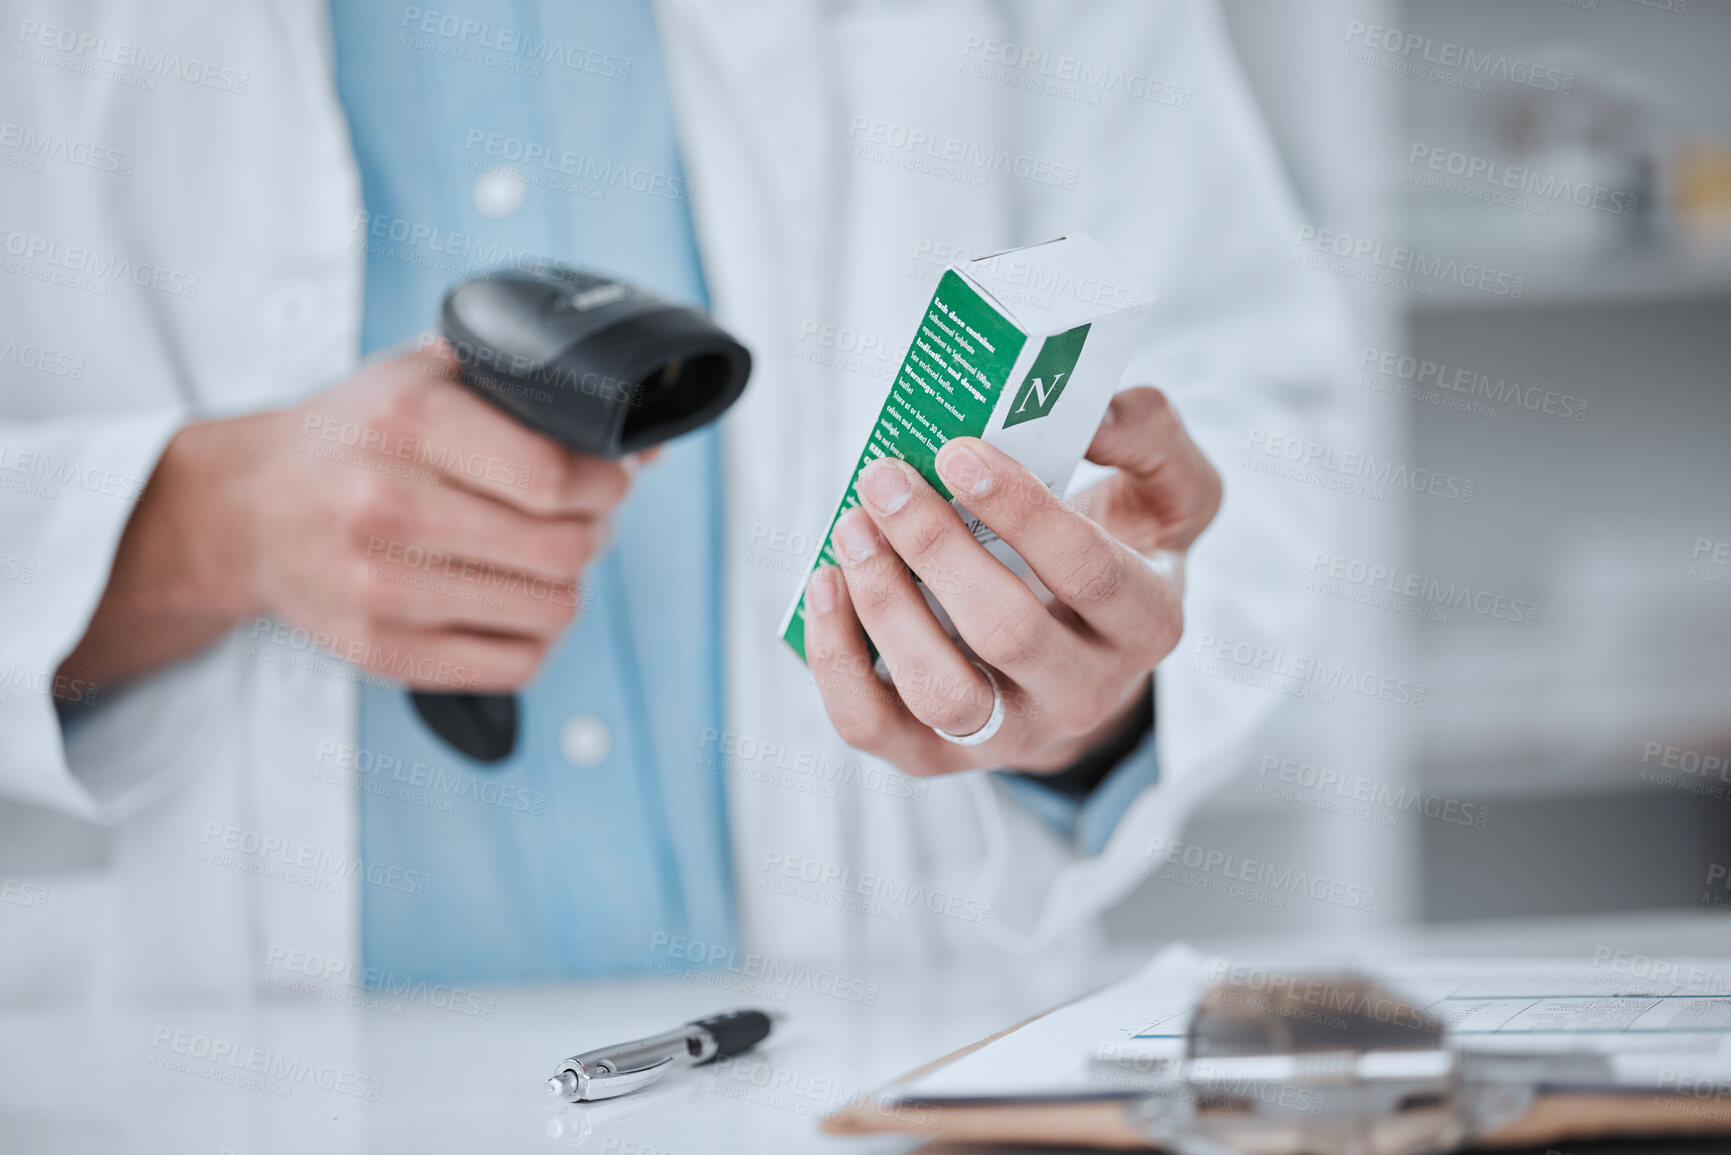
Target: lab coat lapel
<point>759,95</point>
<point>767,209</point>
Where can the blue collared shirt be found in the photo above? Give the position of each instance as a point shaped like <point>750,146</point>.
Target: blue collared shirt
<point>602,830</point>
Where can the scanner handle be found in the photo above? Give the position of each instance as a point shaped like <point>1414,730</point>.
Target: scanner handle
<point>483,726</point>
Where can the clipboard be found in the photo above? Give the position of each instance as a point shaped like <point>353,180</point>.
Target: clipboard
<point>1112,1123</point>
<point>1094,1124</point>
<point>1107,1125</point>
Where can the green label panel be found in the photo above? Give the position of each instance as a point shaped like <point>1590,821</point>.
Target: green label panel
<point>955,370</point>
<point>1048,376</point>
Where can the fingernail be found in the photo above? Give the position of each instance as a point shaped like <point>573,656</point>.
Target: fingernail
<point>820,592</point>
<point>963,471</point>
<point>884,486</point>
<point>856,535</point>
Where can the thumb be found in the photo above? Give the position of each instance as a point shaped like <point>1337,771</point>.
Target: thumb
<point>1139,433</point>
<point>1165,492</point>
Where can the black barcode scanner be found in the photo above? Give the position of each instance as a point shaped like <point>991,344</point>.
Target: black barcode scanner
<point>600,366</point>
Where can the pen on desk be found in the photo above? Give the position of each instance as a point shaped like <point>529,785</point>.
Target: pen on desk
<point>616,1070</point>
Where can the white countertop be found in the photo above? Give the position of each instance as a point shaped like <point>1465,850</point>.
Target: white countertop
<point>293,1073</point>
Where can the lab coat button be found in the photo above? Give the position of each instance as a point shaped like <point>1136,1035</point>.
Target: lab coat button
<point>585,740</point>
<point>287,312</point>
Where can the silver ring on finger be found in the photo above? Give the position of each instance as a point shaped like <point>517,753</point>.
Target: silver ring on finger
<point>992,725</point>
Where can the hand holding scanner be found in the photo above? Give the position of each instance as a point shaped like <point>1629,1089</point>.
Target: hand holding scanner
<point>600,366</point>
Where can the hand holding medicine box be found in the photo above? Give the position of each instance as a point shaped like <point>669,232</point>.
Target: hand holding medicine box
<point>1023,349</point>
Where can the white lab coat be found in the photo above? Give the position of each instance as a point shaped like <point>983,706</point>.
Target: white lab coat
<point>255,194</point>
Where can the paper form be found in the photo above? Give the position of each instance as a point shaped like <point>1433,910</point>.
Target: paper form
<point>1053,1056</point>
<point>1673,1033</point>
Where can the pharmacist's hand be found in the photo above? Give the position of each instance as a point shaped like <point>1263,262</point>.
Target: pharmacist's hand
<point>1070,675</point>
<point>451,535</point>
<point>402,522</point>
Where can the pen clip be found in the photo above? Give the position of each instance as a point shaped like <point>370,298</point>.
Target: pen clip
<point>606,1084</point>
<point>578,1083</point>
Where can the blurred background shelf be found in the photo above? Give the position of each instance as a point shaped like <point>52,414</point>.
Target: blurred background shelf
<point>1632,275</point>
<point>1596,520</point>
<point>1596,516</point>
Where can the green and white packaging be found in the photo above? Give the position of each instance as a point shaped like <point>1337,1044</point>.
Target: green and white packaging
<point>1023,349</point>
